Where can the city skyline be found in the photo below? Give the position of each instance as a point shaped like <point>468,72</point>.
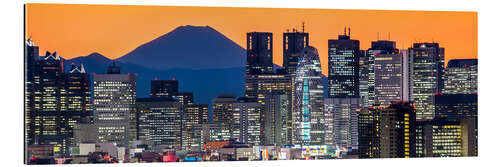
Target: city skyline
<point>124,34</point>
<point>379,102</point>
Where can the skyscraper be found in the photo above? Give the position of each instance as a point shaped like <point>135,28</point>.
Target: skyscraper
<point>341,122</point>
<point>222,114</point>
<point>160,121</point>
<point>247,121</point>
<point>259,53</point>
<point>369,132</point>
<point>388,82</point>
<point>397,131</point>
<point>31,57</point>
<point>367,73</point>
<point>164,88</point>
<point>343,67</point>
<point>428,67</point>
<point>293,43</point>
<point>275,122</point>
<point>114,106</point>
<point>60,101</point>
<point>308,120</point>
<point>194,116</point>
<point>460,76</point>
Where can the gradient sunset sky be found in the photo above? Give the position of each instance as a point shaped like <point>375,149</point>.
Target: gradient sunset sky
<point>114,30</point>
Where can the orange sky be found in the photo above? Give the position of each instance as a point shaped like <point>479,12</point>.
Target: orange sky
<point>78,30</point>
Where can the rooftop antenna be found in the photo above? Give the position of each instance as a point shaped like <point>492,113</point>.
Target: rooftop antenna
<point>287,30</point>
<point>303,26</point>
<point>349,31</point>
<point>344,30</point>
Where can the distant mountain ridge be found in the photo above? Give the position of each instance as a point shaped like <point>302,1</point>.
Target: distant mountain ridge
<point>191,47</point>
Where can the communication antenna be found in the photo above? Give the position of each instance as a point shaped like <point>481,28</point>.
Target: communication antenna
<point>349,31</point>
<point>344,30</point>
<point>303,26</point>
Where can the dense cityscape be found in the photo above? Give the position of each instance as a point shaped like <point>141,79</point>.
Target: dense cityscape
<point>382,102</point>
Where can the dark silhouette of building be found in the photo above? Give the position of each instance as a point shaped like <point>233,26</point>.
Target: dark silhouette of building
<point>343,67</point>
<point>259,53</point>
<point>164,88</point>
<point>454,107</point>
<point>30,56</point>
<point>369,132</point>
<point>397,131</point>
<point>293,43</point>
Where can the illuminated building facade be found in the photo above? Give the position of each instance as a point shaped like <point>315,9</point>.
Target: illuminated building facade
<point>185,98</point>
<point>59,101</point>
<point>164,88</point>
<point>428,68</point>
<point>367,68</point>
<point>275,121</point>
<point>460,76</point>
<point>454,107</point>
<point>439,138</point>
<point>308,118</point>
<point>31,56</point>
<point>388,82</point>
<point>194,116</point>
<point>343,67</point>
<point>222,114</point>
<point>247,121</point>
<point>369,132</point>
<point>259,53</point>
<point>114,106</point>
<point>397,131</point>
<point>160,121</point>
<point>293,43</point>
<point>341,122</point>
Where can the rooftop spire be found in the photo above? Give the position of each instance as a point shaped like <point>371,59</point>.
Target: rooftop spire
<point>303,26</point>
<point>344,30</point>
<point>349,31</point>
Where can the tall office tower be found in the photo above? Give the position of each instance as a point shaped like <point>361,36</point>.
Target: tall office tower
<point>49,126</point>
<point>454,107</point>
<point>30,57</point>
<point>441,138</point>
<point>260,85</point>
<point>369,132</point>
<point>460,76</point>
<point>343,67</point>
<point>222,114</point>
<point>259,53</point>
<point>341,122</point>
<point>164,88</point>
<point>397,131</point>
<point>210,132</point>
<point>194,116</point>
<point>407,75</point>
<point>388,69</point>
<point>428,68</point>
<point>367,83</point>
<point>275,122</point>
<point>246,121</point>
<point>185,98</point>
<point>77,98</point>
<point>308,115</point>
<point>364,79</point>
<point>160,121</point>
<point>114,106</point>
<point>293,43</point>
